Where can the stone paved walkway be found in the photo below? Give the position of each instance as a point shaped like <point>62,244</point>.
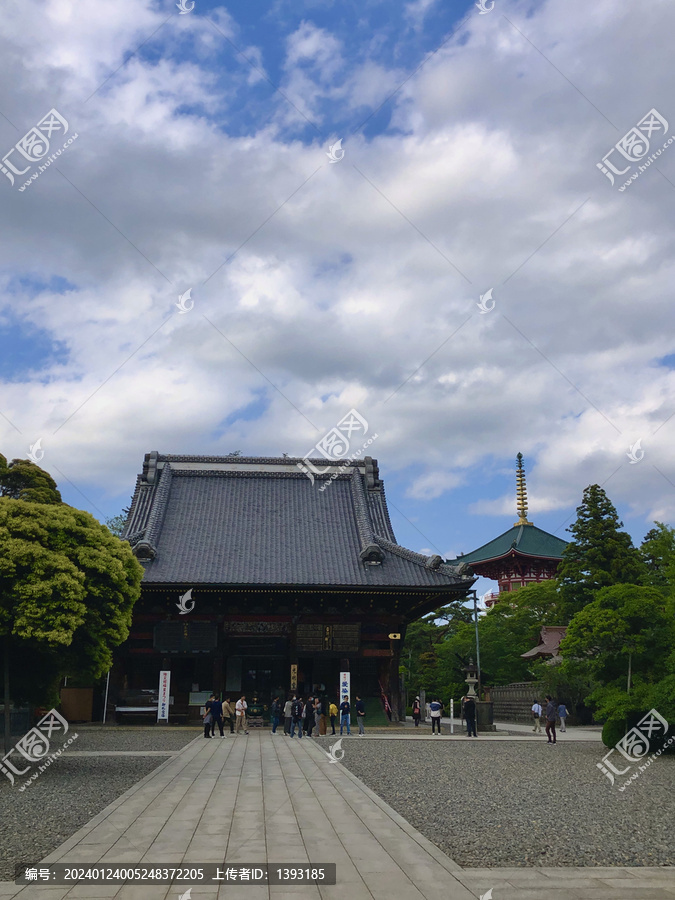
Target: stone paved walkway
<point>260,798</point>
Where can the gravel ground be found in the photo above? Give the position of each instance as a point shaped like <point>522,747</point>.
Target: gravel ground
<point>138,738</point>
<point>72,790</point>
<point>521,803</point>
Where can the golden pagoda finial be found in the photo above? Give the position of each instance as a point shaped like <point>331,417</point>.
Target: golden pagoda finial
<point>521,492</point>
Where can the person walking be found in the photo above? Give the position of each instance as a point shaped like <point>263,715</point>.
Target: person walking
<point>317,716</point>
<point>297,710</point>
<point>536,712</point>
<point>345,710</point>
<point>333,711</point>
<point>275,714</point>
<point>241,708</point>
<point>216,716</point>
<point>562,715</point>
<point>435,710</point>
<point>228,713</point>
<point>470,716</point>
<point>288,715</point>
<point>360,707</point>
<point>551,715</point>
<point>416,711</point>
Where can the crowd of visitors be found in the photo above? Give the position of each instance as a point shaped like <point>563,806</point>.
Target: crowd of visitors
<point>316,714</point>
<point>304,717</point>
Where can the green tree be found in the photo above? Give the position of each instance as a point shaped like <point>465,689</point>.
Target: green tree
<point>506,631</point>
<point>626,636</point>
<point>658,554</point>
<point>600,554</point>
<point>23,480</point>
<point>67,590</point>
<point>116,524</point>
<point>423,640</point>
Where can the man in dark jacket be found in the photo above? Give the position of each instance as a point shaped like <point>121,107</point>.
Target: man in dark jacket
<point>551,715</point>
<point>208,716</point>
<point>360,714</point>
<point>308,715</point>
<point>216,715</point>
<point>345,709</point>
<point>275,714</point>
<point>296,716</point>
<point>470,716</point>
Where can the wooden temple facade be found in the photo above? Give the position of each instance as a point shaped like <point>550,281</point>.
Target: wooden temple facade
<point>258,582</point>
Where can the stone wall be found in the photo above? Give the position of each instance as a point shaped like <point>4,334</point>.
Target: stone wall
<point>513,702</point>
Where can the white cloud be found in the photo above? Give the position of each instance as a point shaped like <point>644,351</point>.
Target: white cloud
<point>336,297</point>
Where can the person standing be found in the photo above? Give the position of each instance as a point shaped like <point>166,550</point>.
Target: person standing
<point>308,716</point>
<point>333,711</point>
<point>228,713</point>
<point>275,714</point>
<point>296,716</point>
<point>562,715</point>
<point>241,708</point>
<point>416,711</point>
<point>216,716</point>
<point>551,715</point>
<point>208,716</point>
<point>536,712</point>
<point>360,707</point>
<point>288,715</point>
<point>470,716</point>
<point>435,710</point>
<point>317,716</point>
<point>345,710</point>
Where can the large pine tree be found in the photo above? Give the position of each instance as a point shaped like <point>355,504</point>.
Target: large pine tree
<point>600,554</point>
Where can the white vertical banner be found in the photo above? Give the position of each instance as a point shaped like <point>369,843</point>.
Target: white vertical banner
<point>344,686</point>
<point>163,699</point>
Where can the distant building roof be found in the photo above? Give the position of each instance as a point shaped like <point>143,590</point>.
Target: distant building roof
<point>549,642</point>
<point>260,521</point>
<point>523,540</point>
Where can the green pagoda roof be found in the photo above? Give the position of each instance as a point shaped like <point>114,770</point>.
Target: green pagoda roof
<point>525,540</point>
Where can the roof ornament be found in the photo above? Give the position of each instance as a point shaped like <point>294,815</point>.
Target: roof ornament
<point>150,467</point>
<point>372,472</point>
<point>521,492</point>
<point>372,555</point>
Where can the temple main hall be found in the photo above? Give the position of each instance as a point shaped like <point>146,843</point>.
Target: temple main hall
<point>285,585</point>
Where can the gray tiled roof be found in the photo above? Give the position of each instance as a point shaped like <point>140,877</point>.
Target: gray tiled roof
<point>259,521</point>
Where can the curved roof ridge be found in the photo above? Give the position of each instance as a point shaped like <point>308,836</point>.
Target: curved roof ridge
<point>139,511</point>
<point>363,523</point>
<point>429,562</point>
<point>156,517</point>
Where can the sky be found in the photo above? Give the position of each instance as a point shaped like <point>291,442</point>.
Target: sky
<point>399,208</point>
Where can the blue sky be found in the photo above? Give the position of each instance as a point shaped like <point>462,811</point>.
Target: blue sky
<point>319,285</point>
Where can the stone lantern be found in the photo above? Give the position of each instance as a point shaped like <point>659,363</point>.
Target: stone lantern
<point>471,679</point>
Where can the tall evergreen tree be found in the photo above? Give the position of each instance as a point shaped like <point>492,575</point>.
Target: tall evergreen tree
<point>600,554</point>
<point>658,553</point>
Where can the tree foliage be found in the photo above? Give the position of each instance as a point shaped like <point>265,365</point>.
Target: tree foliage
<point>21,479</point>
<point>600,554</point>
<point>67,590</point>
<point>658,555</point>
